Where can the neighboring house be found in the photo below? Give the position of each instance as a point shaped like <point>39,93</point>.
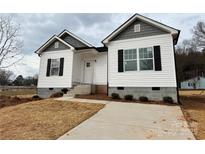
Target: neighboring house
<point>137,58</point>
<point>194,83</point>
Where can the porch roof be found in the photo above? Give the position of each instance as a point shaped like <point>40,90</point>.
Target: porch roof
<point>99,49</point>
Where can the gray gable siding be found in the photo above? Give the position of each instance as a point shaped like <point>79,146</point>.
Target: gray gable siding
<point>73,41</point>
<point>145,30</point>
<point>51,47</point>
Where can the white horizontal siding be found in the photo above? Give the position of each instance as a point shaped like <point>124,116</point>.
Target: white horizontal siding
<point>100,71</point>
<point>164,78</point>
<point>77,68</point>
<point>56,81</point>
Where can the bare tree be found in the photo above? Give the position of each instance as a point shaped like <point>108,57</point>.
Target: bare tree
<point>10,42</point>
<point>5,77</point>
<point>199,34</point>
<point>186,47</point>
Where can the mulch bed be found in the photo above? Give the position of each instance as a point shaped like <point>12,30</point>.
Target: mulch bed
<point>107,98</point>
<point>10,101</point>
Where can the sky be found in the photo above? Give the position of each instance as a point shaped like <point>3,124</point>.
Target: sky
<point>36,29</point>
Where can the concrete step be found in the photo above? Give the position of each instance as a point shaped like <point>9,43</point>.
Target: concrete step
<point>81,89</point>
<point>69,95</point>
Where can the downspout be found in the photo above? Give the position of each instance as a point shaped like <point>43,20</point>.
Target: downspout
<point>107,76</point>
<point>92,85</point>
<point>177,88</point>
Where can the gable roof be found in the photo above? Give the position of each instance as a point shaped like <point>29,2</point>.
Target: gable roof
<point>54,37</point>
<point>74,36</point>
<point>174,32</point>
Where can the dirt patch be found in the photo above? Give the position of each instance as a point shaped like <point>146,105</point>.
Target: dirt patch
<point>193,108</point>
<point>45,119</point>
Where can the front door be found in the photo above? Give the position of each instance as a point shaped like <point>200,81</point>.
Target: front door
<point>89,72</point>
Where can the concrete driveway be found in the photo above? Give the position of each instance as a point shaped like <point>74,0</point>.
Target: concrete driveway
<point>132,121</point>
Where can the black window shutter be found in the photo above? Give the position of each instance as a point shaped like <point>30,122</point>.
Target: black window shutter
<point>120,61</point>
<point>48,67</point>
<point>61,66</point>
<point>157,58</point>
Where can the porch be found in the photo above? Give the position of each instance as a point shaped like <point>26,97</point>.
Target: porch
<point>89,72</point>
<point>84,66</point>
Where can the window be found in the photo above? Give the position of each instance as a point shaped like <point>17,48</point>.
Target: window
<point>87,64</point>
<point>130,60</point>
<point>55,67</point>
<point>56,45</point>
<point>137,28</point>
<point>146,58</point>
<point>190,84</point>
<point>138,59</point>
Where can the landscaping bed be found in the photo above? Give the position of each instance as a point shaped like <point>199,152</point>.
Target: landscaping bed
<point>44,119</point>
<point>10,101</point>
<point>105,97</point>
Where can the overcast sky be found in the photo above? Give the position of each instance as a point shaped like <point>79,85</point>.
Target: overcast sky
<point>38,28</point>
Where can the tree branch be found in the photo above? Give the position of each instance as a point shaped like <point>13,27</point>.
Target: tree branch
<point>10,42</point>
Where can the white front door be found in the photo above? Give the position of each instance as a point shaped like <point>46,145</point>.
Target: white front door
<point>89,71</point>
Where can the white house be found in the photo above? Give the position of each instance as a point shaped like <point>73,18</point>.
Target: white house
<point>137,58</point>
<point>194,83</point>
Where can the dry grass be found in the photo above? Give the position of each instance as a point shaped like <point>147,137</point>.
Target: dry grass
<point>193,108</point>
<point>192,92</point>
<point>45,119</point>
<point>19,92</point>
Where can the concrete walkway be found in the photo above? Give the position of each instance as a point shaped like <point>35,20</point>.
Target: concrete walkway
<point>131,121</point>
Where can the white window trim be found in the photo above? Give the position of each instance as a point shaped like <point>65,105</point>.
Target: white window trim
<point>138,60</point>
<point>55,67</point>
<point>147,58</point>
<point>129,60</point>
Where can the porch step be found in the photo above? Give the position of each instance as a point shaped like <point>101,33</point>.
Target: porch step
<point>81,89</point>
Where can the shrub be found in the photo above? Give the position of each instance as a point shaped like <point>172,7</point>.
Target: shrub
<point>168,99</point>
<point>36,97</point>
<point>115,96</point>
<point>57,94</point>
<point>128,97</point>
<point>64,90</point>
<point>143,99</point>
